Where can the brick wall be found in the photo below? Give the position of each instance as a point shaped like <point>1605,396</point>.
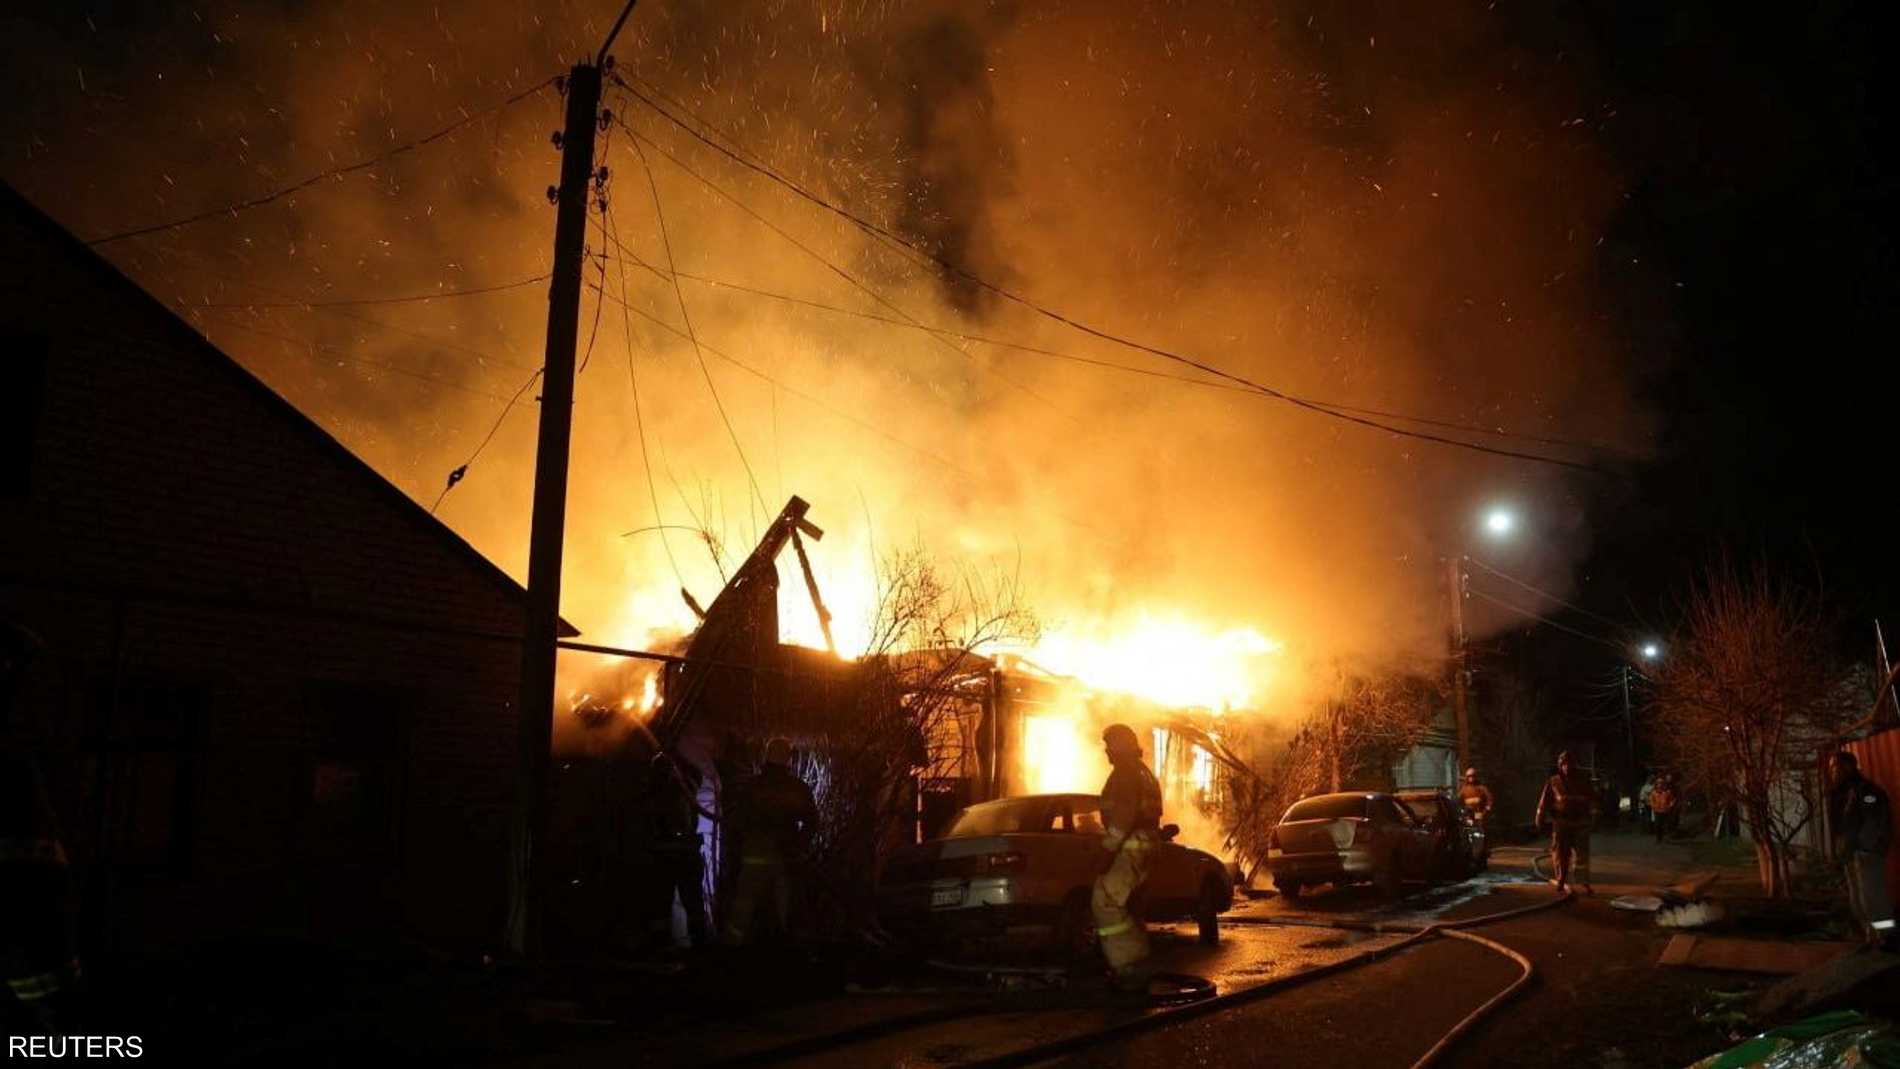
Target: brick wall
<point>182,525</point>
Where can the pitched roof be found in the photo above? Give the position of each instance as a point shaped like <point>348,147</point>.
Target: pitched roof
<point>189,339</point>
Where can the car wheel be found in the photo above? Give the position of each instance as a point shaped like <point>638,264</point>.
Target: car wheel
<point>1207,911</point>
<point>1075,931</point>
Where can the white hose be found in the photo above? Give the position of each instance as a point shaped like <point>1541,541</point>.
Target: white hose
<point>1471,1019</point>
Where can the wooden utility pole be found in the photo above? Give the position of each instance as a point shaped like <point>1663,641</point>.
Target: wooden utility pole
<point>1635,780</point>
<point>1455,585</point>
<point>550,510</point>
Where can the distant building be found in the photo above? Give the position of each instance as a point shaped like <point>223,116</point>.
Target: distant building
<point>276,696</point>
<point>1433,759</point>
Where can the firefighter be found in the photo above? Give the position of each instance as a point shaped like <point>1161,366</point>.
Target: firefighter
<point>1569,804</point>
<point>1861,820</point>
<point>1131,822</point>
<point>37,957</point>
<point>776,817</point>
<point>673,828</point>
<point>1664,807</point>
<point>1476,796</point>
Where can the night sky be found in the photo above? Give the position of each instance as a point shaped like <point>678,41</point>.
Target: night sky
<point>1752,139</point>
<point>1729,325</point>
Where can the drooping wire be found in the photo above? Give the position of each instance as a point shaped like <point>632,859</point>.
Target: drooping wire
<point>599,184</point>
<point>407,299</point>
<point>461,470</point>
<point>1005,343</point>
<point>905,318</point>
<point>1548,622</point>
<point>611,227</point>
<point>666,245</point>
<point>820,403</point>
<point>349,357</point>
<point>334,172</point>
<point>340,310</point>
<point>1547,595</point>
<point>887,235</point>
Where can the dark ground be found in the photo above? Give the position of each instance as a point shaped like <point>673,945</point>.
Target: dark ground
<point>1598,998</point>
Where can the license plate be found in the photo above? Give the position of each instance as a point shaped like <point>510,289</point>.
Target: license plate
<point>947,896</point>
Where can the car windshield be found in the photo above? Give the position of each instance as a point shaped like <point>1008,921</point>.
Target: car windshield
<point>1327,807</point>
<point>1008,817</point>
<point>1422,808</point>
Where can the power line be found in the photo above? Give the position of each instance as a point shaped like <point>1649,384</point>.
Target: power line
<point>1023,301</point>
<point>611,229</point>
<point>406,299</point>
<point>1545,594</point>
<point>593,333</point>
<point>461,470</point>
<point>666,244</point>
<point>1547,621</point>
<point>334,172</point>
<point>825,406</point>
<point>1005,343</point>
<point>906,318</point>
<point>796,392</point>
<point>342,311</point>
<point>347,356</point>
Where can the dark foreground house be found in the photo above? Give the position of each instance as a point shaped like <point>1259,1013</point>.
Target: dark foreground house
<point>275,696</point>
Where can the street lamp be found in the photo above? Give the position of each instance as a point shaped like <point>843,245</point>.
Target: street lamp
<point>1651,651</point>
<point>1500,522</point>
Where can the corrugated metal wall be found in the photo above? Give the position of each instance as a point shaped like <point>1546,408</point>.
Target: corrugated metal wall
<point>1879,756</point>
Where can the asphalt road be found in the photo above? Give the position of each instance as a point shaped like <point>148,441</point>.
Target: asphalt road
<point>1250,953</point>
<point>1597,1000</point>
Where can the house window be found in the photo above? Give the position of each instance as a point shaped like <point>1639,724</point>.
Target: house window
<point>20,404</point>
<point>354,787</point>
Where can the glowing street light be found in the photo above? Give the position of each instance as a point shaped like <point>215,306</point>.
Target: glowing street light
<point>1500,522</point>
<point>1651,651</point>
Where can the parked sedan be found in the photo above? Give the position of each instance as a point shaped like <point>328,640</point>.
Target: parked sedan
<point>1027,865</point>
<point>1459,845</point>
<point>1355,837</point>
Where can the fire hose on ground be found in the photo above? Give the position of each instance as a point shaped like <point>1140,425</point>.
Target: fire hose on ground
<point>1191,997</point>
<point>1416,935</point>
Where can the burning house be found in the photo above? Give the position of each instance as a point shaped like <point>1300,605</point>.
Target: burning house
<point>273,695</point>
<point>894,741</point>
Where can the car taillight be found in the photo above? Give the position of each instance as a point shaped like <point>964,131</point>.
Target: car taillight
<point>1361,832</point>
<point>1012,861</point>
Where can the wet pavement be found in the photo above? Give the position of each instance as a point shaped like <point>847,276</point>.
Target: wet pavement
<point>1388,1011</point>
<point>948,1017</point>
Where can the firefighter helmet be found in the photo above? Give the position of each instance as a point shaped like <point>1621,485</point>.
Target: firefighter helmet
<point>1121,738</point>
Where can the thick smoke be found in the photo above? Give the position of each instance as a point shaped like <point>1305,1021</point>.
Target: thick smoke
<point>1396,210</point>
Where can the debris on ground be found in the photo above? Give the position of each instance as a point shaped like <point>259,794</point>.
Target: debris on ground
<point>1637,903</point>
<point>1837,1040</point>
<point>1723,1009</point>
<point>1691,915</point>
<point>1829,983</point>
<point>1749,955</point>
